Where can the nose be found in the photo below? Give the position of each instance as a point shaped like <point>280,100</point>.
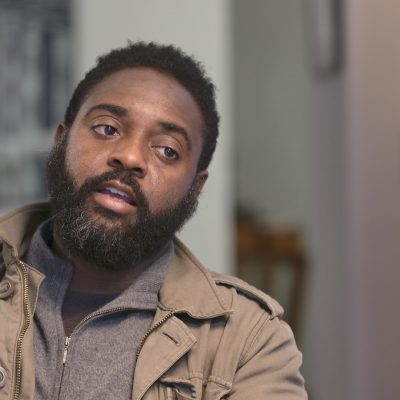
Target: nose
<point>129,155</point>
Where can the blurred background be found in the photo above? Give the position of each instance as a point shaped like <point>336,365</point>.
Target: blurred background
<point>304,191</point>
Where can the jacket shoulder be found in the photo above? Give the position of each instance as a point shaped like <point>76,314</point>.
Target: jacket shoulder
<point>18,226</point>
<point>25,212</point>
<point>223,293</point>
<point>249,291</point>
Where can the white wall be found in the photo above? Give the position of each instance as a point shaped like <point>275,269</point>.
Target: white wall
<point>273,109</point>
<point>289,127</point>
<point>373,159</point>
<point>203,30</point>
<point>326,325</point>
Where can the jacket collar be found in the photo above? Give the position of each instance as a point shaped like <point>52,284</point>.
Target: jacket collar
<point>189,287</point>
<point>18,227</point>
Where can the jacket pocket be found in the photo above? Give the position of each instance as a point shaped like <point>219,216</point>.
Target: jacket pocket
<point>211,392</point>
<point>185,389</point>
<point>215,391</point>
<point>175,394</point>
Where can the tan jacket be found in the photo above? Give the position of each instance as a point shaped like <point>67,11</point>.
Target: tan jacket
<point>213,337</point>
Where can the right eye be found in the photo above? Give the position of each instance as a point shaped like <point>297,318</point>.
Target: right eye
<point>105,130</point>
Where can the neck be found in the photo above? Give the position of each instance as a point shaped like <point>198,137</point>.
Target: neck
<point>91,278</point>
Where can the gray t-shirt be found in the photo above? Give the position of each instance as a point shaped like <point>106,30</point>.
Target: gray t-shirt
<point>101,355</point>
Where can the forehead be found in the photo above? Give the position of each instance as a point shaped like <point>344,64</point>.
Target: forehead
<point>147,92</point>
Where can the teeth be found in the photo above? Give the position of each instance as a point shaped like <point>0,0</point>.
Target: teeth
<point>116,191</point>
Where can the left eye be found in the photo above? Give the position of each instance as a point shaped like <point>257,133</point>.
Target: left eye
<point>106,130</point>
<point>168,152</point>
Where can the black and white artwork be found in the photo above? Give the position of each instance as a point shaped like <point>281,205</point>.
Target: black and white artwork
<point>34,89</point>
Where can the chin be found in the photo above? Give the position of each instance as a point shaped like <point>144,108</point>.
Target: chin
<point>112,218</point>
<point>108,214</point>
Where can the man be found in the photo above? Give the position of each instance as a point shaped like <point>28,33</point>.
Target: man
<point>98,300</point>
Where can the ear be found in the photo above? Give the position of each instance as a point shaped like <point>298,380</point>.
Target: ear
<point>60,132</point>
<point>201,178</point>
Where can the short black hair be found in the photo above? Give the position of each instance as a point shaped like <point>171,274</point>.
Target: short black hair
<point>168,59</point>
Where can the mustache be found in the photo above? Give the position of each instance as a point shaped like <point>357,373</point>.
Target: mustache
<point>123,176</point>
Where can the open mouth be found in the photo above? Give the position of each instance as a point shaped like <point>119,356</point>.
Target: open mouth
<point>117,194</point>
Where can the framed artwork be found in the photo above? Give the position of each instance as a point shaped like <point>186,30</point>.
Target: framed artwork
<point>34,88</point>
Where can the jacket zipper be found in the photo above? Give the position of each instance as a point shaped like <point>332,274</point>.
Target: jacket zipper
<point>152,329</point>
<point>99,313</point>
<point>66,344</point>
<point>27,317</point>
<point>96,314</point>
<point>67,339</point>
<point>65,352</point>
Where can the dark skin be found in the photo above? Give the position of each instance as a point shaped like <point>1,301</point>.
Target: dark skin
<point>144,121</point>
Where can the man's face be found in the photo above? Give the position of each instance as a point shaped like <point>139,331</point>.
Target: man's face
<point>130,162</point>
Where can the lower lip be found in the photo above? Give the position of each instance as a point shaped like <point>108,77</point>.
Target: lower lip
<point>113,203</point>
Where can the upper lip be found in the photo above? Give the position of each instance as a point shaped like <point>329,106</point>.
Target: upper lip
<point>121,187</point>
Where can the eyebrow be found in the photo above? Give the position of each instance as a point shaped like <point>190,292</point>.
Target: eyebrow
<point>171,127</point>
<point>122,112</point>
<point>112,108</point>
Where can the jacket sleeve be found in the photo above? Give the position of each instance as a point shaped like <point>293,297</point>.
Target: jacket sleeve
<point>269,366</point>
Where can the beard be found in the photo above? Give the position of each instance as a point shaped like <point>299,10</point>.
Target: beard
<point>110,240</point>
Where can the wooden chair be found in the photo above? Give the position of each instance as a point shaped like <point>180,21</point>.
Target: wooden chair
<point>274,261</point>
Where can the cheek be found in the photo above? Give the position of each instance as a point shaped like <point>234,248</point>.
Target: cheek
<point>166,191</point>
<point>81,162</point>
